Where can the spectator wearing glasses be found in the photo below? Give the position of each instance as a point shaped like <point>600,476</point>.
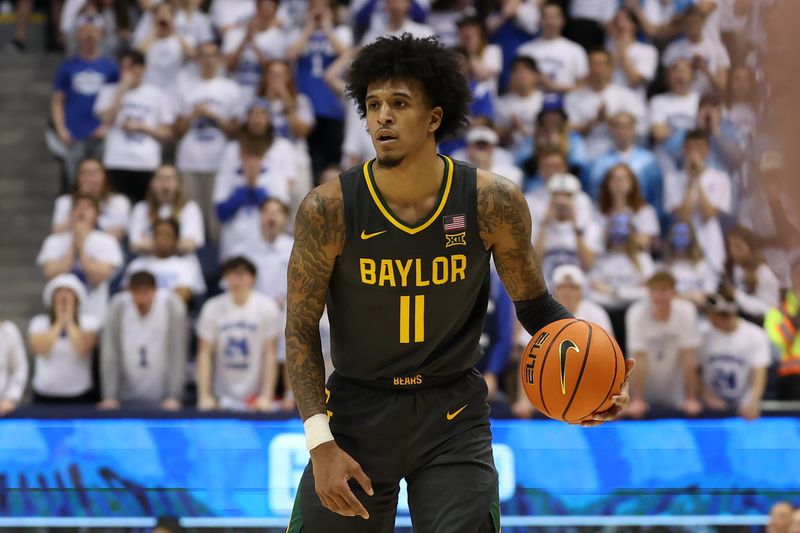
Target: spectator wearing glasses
<point>733,356</point>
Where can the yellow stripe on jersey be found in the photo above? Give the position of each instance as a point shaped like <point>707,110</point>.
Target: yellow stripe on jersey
<point>384,209</point>
<point>419,318</point>
<point>405,319</point>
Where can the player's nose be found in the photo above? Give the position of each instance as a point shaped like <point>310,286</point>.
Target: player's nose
<point>385,114</point>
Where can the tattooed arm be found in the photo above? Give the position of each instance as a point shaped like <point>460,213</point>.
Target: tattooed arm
<point>319,237</point>
<point>505,226</point>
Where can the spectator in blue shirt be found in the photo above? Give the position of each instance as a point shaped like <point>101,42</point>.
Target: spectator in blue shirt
<point>496,338</point>
<point>642,161</point>
<point>76,84</point>
<point>313,49</point>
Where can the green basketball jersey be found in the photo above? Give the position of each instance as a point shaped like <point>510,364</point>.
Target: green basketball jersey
<point>407,302</point>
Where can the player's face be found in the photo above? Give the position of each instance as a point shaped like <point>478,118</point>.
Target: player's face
<point>165,241</point>
<point>91,178</point>
<point>399,119</point>
<point>165,184</point>
<point>143,298</point>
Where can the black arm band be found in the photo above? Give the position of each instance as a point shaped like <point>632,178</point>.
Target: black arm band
<point>537,313</point>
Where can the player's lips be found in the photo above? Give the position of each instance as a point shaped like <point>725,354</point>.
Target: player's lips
<point>384,136</point>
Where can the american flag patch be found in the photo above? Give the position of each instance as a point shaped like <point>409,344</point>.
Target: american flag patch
<point>455,222</point>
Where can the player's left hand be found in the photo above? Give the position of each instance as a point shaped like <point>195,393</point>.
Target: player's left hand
<point>620,400</point>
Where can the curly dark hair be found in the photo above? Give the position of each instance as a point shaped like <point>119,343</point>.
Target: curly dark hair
<point>435,67</point>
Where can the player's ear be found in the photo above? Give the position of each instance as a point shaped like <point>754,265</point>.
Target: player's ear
<point>435,119</point>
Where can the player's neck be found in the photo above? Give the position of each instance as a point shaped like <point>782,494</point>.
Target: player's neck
<point>417,177</point>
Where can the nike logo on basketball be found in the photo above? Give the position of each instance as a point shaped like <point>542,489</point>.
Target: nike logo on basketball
<point>563,348</point>
<point>365,236</point>
<point>451,416</point>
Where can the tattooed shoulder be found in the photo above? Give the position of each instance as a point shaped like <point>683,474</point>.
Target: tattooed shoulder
<point>505,227</point>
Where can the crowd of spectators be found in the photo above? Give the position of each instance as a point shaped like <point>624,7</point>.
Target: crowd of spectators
<point>188,132</point>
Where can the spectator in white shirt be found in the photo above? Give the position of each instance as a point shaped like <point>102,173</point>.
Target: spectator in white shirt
<point>229,14</point>
<point>662,334</point>
<point>238,339</point>
<point>563,63</point>
<point>620,194</point>
<point>92,181</point>
<point>207,116</point>
<point>589,107</point>
<point>709,58</point>
<point>13,367</point>
<point>175,272</point>
<point>62,342</point>
<point>481,152</point>
<point>165,50</point>
<point>748,278</point>
<point>517,109</point>
<point>674,113</point>
<point>140,119</point>
<point>566,235</point>
<point>291,112</point>
<point>190,22</point>
<point>694,277</point>
<point>144,347</point>
<point>569,285</point>
<point>700,195</point>
<point>619,273</point>
<point>165,199</point>
<point>635,62</point>
<point>248,47</point>
<point>551,162</point>
<point>733,357</point>
<point>398,22</point>
<point>485,59</point>
<point>239,197</point>
<point>90,254</point>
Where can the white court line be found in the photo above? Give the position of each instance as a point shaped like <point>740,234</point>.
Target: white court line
<point>508,521</point>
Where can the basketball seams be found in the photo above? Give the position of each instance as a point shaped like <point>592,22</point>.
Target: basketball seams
<point>616,365</point>
<point>583,367</point>
<point>544,360</point>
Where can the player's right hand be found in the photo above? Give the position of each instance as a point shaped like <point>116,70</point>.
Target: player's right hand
<point>333,468</point>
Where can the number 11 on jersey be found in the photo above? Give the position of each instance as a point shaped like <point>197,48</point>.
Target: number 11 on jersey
<point>405,319</point>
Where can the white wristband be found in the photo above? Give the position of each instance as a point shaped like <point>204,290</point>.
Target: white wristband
<point>317,431</point>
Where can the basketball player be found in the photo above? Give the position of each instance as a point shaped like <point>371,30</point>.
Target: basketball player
<point>399,248</point>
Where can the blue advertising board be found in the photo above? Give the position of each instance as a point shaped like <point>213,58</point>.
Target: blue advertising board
<point>249,469</point>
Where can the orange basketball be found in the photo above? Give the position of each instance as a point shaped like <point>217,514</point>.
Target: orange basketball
<point>570,369</point>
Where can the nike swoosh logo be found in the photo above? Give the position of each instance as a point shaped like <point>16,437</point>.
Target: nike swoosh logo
<point>563,348</point>
<point>365,236</point>
<point>451,416</point>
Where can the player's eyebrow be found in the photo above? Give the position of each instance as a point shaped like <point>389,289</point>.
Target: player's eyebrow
<point>403,94</point>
